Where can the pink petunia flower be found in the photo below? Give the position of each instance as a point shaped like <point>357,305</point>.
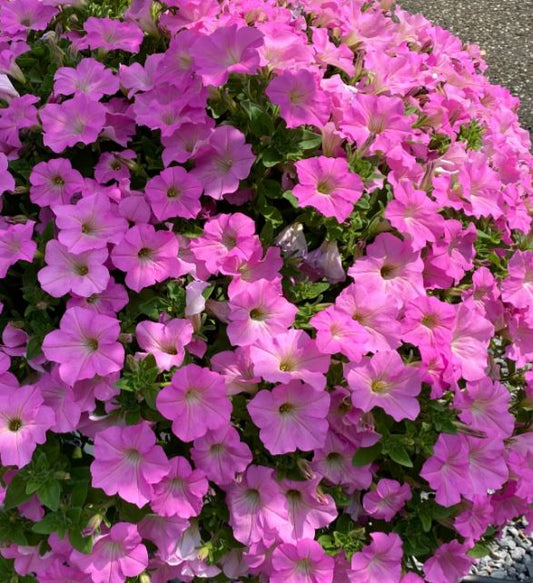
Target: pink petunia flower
<point>85,345</point>
<point>309,509</point>
<point>380,561</point>
<point>387,499</point>
<point>111,34</point>
<point>328,185</point>
<point>517,287</point>
<point>291,417</point>
<point>89,77</point>
<point>303,562</point>
<point>474,521</point>
<point>16,244</point>
<point>384,381</point>
<point>257,311</point>
<point>223,162</point>
<point>257,508</point>
<point>147,256</point>
<point>428,321</point>
<point>299,97</point>
<point>7,182</point>
<point>393,266</point>
<point>174,193</point>
<point>288,356</point>
<point>24,421</point>
<point>166,341</point>
<point>449,563</point>
<point>108,302</point>
<point>117,555</point>
<point>83,274</point>
<point>195,402</point>
<point>61,398</point>
<point>79,119</point>
<point>25,15</point>
<point>54,182</point>
<point>89,224</point>
<point>181,492</point>
<point>128,462</point>
<point>221,455</point>
<point>229,49</point>
<point>447,469</point>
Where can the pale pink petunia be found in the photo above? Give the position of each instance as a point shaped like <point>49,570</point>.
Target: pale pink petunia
<point>291,417</point>
<point>517,287</point>
<point>309,509</point>
<point>327,53</point>
<point>258,310</point>
<point>111,34</point>
<point>471,335</point>
<point>484,405</point>
<point>288,356</point>
<point>387,499</point>
<point>238,370</point>
<point>414,214</point>
<point>115,556</point>
<point>85,345</point>
<point>128,462</point>
<point>302,562</point>
<point>89,76</point>
<point>16,244</point>
<point>449,563</point>
<point>378,562</point>
<point>195,402</point>
<point>79,119</point>
<point>83,274</point>
<point>327,185</point>
<point>147,256</point>
<point>393,266</point>
<point>385,381</point>
<point>174,193</point>
<point>223,162</point>
<point>229,49</point>
<point>428,321</point>
<point>24,421</point>
<point>54,182</point>
<point>61,398</point>
<point>447,469</point>
<point>257,508</point>
<point>299,97</point>
<point>91,223</point>
<point>180,493</point>
<point>166,341</point>
<point>110,301</point>
<point>163,531</point>
<point>221,455</point>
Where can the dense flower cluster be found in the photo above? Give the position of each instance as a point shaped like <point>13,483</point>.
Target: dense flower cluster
<point>266,294</point>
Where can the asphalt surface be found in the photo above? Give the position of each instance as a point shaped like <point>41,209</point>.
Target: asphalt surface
<point>502,28</point>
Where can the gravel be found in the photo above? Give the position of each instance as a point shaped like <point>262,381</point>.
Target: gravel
<point>503,28</point>
<point>511,557</point>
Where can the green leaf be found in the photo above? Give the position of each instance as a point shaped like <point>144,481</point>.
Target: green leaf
<point>16,492</point>
<point>398,454</point>
<point>50,493</point>
<point>52,522</point>
<point>478,551</point>
<point>83,544</point>
<point>310,140</point>
<point>79,493</point>
<point>33,348</point>
<point>366,455</point>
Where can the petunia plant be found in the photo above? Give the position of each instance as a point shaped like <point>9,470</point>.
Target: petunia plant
<point>266,294</point>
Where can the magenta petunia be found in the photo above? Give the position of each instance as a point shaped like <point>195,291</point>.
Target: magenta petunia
<point>89,77</point>
<point>54,182</point>
<point>387,499</point>
<point>7,182</point>
<point>128,462</point>
<point>79,119</point>
<point>449,563</point>
<point>85,345</point>
<point>195,401</point>
<point>328,185</point>
<point>291,417</point>
<point>16,244</point>
<point>24,421</point>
